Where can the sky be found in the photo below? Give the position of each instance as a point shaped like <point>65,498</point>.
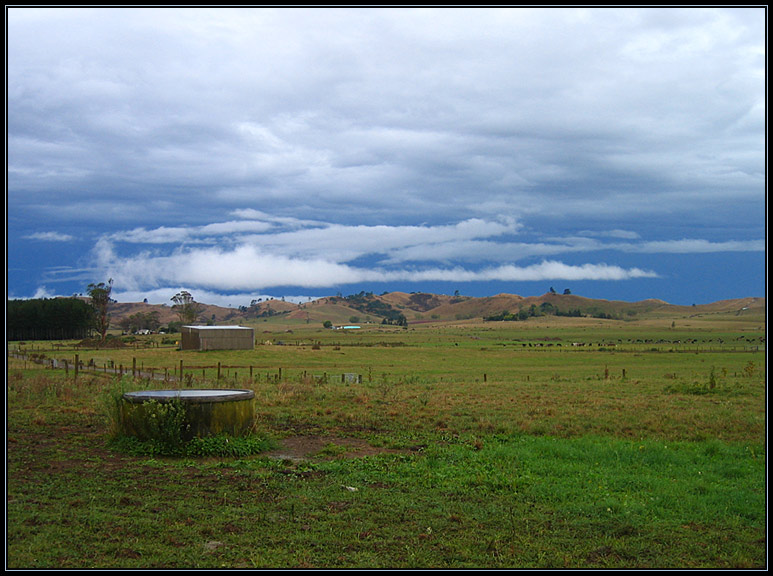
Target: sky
<point>243,153</point>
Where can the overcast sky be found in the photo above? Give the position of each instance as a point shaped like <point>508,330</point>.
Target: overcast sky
<point>302,152</point>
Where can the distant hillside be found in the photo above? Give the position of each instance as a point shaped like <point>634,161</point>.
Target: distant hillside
<point>417,307</point>
<point>210,314</point>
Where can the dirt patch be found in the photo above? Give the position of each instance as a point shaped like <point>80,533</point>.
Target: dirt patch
<point>325,447</point>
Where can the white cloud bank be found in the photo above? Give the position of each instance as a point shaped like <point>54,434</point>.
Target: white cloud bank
<point>245,269</point>
<point>317,256</point>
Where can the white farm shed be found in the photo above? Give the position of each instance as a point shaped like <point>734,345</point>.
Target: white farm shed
<point>217,338</point>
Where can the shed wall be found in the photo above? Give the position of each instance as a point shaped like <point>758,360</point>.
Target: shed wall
<point>190,338</point>
<point>217,338</point>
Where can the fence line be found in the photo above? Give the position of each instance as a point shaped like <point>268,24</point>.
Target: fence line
<point>185,373</point>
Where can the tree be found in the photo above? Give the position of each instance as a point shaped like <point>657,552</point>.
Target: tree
<point>100,300</point>
<point>140,321</point>
<point>547,308</point>
<point>187,308</point>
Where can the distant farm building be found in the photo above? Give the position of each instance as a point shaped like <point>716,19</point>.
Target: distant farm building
<point>217,338</point>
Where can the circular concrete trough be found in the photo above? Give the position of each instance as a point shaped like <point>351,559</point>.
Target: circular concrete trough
<point>206,412</point>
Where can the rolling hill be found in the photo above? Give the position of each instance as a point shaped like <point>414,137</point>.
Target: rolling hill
<point>426,308</point>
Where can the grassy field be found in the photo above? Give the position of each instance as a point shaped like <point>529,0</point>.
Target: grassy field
<point>551,443</point>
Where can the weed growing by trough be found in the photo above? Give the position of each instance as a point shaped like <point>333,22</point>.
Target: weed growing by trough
<point>459,446</point>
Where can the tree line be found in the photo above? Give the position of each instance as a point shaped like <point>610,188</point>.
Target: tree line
<point>49,319</point>
<point>548,309</point>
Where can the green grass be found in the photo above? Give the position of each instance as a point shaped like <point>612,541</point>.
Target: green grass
<point>510,502</point>
<point>555,458</point>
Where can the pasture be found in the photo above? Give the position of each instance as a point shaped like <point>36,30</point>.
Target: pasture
<point>556,442</point>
